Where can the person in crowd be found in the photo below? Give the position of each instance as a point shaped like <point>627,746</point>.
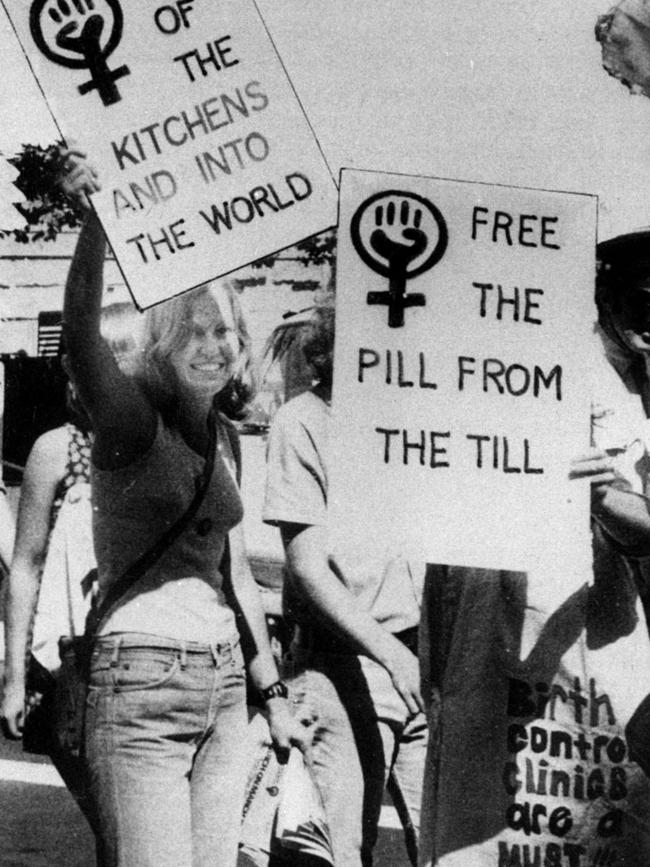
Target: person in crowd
<point>166,707</point>
<point>505,655</point>
<point>57,472</point>
<point>618,464</point>
<point>354,667</point>
<point>623,298</point>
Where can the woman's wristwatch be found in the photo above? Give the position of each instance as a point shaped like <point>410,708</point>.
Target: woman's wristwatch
<point>275,690</point>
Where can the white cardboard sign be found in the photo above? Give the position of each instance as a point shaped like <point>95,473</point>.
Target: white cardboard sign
<point>206,159</point>
<point>463,325</point>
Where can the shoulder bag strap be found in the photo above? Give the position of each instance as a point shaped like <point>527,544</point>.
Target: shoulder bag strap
<point>149,558</point>
<point>235,448</point>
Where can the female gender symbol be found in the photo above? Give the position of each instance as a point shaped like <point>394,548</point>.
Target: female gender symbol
<point>78,35</point>
<point>398,235</point>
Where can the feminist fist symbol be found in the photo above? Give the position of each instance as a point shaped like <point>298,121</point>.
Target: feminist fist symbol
<point>401,237</point>
<point>76,27</point>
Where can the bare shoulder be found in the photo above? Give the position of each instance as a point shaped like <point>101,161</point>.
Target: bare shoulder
<point>49,453</point>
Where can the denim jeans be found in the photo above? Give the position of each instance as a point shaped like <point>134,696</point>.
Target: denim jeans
<point>363,738</point>
<point>165,750</point>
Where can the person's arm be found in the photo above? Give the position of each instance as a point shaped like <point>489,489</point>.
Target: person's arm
<point>7,533</point>
<point>623,514</point>
<point>44,469</point>
<point>308,563</point>
<point>285,730</point>
<point>123,421</point>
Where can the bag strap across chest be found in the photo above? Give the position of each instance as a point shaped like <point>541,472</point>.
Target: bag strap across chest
<point>98,616</point>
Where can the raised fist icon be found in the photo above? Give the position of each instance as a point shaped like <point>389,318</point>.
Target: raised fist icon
<point>399,235</point>
<point>389,243</point>
<point>77,17</point>
<point>81,34</point>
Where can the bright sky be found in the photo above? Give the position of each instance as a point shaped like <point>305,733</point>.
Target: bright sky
<point>491,90</point>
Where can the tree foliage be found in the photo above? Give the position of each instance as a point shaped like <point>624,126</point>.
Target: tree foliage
<point>318,250</point>
<point>46,209</point>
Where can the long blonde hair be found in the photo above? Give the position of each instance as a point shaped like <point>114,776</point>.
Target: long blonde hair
<point>167,329</point>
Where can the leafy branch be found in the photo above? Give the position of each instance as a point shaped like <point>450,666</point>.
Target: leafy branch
<point>318,250</point>
<point>46,209</point>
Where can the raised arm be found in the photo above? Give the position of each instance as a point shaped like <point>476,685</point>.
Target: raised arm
<point>296,501</point>
<point>7,533</point>
<point>285,730</point>
<point>123,421</point>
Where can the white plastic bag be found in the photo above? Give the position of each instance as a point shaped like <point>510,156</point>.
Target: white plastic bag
<point>283,819</point>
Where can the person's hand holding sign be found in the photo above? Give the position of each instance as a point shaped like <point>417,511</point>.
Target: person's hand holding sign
<point>597,466</point>
<point>78,178</point>
<point>623,512</point>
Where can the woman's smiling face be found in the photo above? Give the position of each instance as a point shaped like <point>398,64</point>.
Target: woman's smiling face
<point>205,364</point>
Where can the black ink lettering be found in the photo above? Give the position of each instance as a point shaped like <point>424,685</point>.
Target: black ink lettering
<point>595,703</point>
<point>368,359</point>
<point>549,231</point>
<point>479,439</point>
<point>436,450</point>
<point>423,383</point>
<point>388,433</point>
<point>463,368</point>
<point>121,153</point>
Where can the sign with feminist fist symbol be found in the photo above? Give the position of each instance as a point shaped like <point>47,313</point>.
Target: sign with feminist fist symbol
<point>81,34</point>
<point>398,235</point>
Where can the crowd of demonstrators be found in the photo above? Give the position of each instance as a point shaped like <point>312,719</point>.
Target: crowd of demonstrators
<point>48,592</point>
<point>164,765</point>
<point>166,705</point>
<point>353,667</point>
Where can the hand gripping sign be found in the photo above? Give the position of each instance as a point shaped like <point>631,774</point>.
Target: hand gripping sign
<point>459,388</point>
<point>206,159</point>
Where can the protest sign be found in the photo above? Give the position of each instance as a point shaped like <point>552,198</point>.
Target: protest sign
<point>532,763</point>
<point>464,314</point>
<point>206,159</point>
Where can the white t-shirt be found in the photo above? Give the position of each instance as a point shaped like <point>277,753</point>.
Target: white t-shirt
<point>299,452</point>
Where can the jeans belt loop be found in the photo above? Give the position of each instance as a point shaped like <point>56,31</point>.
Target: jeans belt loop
<point>183,656</point>
<point>115,655</point>
<point>225,651</point>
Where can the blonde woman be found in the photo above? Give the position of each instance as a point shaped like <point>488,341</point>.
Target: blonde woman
<point>166,708</point>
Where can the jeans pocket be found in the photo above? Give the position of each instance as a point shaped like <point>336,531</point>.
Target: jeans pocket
<point>138,670</point>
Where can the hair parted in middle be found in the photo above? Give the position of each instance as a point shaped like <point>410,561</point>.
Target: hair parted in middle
<point>167,329</point>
